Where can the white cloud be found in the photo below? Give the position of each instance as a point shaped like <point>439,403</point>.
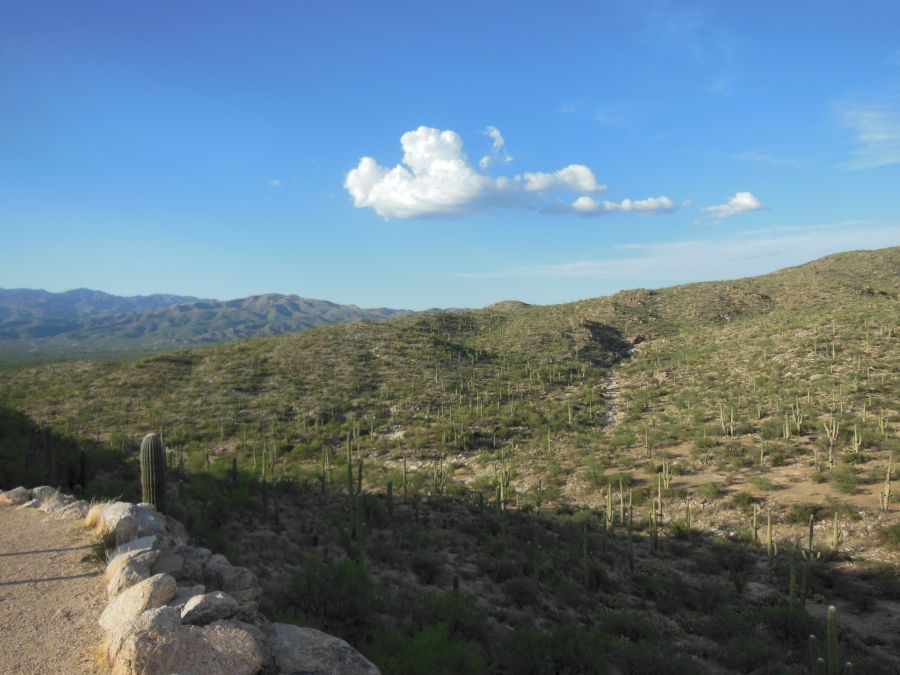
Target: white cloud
<point>575,176</point>
<point>435,180</point>
<point>877,129</point>
<point>588,205</point>
<point>742,202</point>
<point>728,257</point>
<point>498,148</point>
<point>276,183</point>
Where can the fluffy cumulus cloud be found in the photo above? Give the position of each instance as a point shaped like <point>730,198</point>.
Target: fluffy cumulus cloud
<point>575,177</point>
<point>742,202</point>
<point>435,180</point>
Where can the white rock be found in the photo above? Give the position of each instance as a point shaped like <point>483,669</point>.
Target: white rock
<point>169,562</point>
<point>126,576</point>
<point>30,504</point>
<point>16,496</point>
<point>183,594</point>
<point>150,624</point>
<point>75,511</point>
<point>143,544</point>
<point>130,603</point>
<point>139,556</point>
<point>148,520</point>
<point>306,650</point>
<point>154,646</point>
<point>114,512</point>
<point>43,492</point>
<point>209,607</point>
<point>194,561</point>
<point>126,530</point>
<point>238,581</point>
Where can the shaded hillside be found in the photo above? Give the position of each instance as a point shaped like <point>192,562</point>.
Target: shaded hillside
<point>38,325</point>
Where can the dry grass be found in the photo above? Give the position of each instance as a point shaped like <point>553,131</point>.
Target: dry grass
<point>94,519</point>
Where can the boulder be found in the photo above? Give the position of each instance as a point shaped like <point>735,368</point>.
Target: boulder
<point>126,576</point>
<point>238,581</point>
<point>30,504</point>
<point>144,544</point>
<point>202,610</point>
<point>139,556</point>
<point>148,520</point>
<point>153,624</point>
<point>183,594</point>
<point>16,496</point>
<point>126,530</point>
<point>44,492</point>
<point>73,511</point>
<point>130,603</point>
<point>114,512</point>
<point>194,561</point>
<point>169,562</point>
<point>176,530</point>
<point>156,646</point>
<point>306,650</point>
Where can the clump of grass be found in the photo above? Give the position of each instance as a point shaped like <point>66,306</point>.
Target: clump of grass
<point>762,483</point>
<point>94,518</point>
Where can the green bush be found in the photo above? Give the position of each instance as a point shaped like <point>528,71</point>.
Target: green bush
<point>710,491</point>
<point>458,612</point>
<point>844,480</point>
<point>335,596</point>
<point>431,651</point>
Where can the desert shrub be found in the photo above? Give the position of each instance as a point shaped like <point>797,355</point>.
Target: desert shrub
<point>762,483</point>
<point>743,500</point>
<point>800,513</point>
<point>523,591</point>
<point>431,651</point>
<point>891,535</point>
<point>710,491</point>
<point>427,566</point>
<point>457,611</point>
<point>333,596</point>
<point>791,626</point>
<point>748,652</point>
<point>534,652</point>
<point>844,480</point>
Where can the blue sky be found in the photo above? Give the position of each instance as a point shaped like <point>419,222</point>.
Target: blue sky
<point>415,155</point>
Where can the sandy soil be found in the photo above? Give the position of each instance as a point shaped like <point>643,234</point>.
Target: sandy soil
<point>49,599</point>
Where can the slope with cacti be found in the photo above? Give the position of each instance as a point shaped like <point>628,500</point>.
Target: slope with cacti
<point>775,396</point>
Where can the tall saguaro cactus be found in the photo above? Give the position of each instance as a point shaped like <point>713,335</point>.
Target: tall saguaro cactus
<point>153,471</point>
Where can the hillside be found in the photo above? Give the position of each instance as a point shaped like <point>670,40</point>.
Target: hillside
<point>36,325</point>
<point>594,465</point>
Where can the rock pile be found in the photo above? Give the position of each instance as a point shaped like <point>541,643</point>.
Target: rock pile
<point>173,607</point>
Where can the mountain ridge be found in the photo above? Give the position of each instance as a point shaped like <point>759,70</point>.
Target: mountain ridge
<point>40,325</point>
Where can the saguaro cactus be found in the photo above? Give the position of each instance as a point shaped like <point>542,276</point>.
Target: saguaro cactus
<point>153,471</point>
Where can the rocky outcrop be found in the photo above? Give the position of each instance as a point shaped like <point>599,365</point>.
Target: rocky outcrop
<point>175,608</point>
<point>179,608</point>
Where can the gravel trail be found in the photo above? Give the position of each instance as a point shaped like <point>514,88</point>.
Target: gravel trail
<point>50,599</point>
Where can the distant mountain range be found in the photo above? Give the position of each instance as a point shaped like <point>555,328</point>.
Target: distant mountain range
<point>36,324</point>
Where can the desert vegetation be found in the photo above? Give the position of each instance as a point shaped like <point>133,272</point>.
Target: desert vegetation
<point>680,480</point>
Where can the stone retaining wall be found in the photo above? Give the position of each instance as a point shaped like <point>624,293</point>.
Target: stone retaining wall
<point>173,607</point>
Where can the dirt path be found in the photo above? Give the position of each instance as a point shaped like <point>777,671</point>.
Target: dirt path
<point>49,599</point>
